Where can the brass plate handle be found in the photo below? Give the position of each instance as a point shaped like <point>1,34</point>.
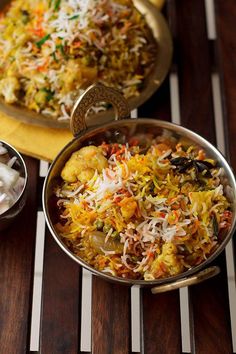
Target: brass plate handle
<point>95,94</point>
<point>194,279</point>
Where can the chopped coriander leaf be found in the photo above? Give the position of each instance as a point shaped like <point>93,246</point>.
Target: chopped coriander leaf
<point>54,57</point>
<point>42,41</point>
<point>62,49</point>
<point>73,17</point>
<point>57,5</point>
<point>49,93</point>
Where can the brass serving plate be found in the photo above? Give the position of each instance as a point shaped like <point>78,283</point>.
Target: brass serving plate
<point>162,35</point>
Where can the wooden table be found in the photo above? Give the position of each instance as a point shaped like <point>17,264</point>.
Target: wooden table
<point>204,75</point>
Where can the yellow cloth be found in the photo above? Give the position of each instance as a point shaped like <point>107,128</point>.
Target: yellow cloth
<point>39,142</point>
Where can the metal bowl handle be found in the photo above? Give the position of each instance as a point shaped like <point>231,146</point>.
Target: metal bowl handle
<point>195,279</point>
<point>94,94</point>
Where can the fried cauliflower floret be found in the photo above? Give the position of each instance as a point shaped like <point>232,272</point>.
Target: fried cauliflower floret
<point>8,88</point>
<point>128,207</point>
<point>83,163</point>
<point>167,263</point>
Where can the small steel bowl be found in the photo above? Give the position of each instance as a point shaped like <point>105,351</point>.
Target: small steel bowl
<point>121,131</point>
<point>10,214</point>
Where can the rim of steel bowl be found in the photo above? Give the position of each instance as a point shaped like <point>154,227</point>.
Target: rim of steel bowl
<point>90,135</point>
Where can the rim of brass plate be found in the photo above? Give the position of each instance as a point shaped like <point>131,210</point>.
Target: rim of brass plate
<point>195,279</point>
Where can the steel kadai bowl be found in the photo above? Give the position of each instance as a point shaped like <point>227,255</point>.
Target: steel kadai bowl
<point>123,130</point>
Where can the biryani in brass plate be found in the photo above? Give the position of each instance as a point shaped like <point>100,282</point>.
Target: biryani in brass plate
<point>55,54</point>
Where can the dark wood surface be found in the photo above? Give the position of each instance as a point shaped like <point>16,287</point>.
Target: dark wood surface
<point>195,59</point>
<point>161,322</point>
<point>111,318</point>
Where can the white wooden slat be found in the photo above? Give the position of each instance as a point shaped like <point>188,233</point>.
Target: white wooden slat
<point>134,113</point>
<point>37,282</point>
<point>185,321</point>
<point>86,311</point>
<point>43,168</point>
<point>220,139</point>
<point>135,318</point>
<point>38,271</point>
<point>174,98</point>
<point>210,19</point>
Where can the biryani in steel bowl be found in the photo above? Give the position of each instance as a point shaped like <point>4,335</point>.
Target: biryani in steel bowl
<point>51,51</point>
<point>140,201</point>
